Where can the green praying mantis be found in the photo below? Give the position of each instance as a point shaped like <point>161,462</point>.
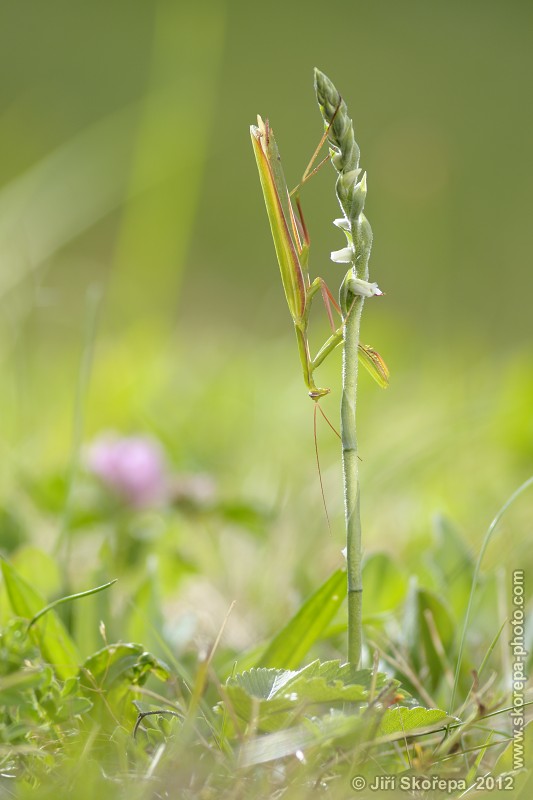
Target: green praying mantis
<point>291,241</point>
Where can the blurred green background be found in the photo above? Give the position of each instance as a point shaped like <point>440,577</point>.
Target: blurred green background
<point>127,173</point>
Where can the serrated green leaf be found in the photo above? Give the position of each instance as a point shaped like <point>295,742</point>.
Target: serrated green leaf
<point>293,642</point>
<point>51,635</point>
<point>261,682</point>
<point>402,719</point>
<point>273,697</point>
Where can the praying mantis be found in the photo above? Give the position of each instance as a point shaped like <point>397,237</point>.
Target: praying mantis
<point>291,242</point>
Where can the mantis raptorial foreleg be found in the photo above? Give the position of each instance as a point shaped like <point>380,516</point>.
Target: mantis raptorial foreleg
<point>369,357</point>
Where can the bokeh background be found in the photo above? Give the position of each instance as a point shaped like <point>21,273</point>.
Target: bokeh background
<point>140,293</point>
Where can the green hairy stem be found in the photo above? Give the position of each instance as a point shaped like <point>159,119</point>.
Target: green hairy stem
<point>351,193</point>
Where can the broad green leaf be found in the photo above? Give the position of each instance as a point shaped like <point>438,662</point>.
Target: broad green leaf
<point>293,642</point>
<point>51,635</point>
<point>331,727</point>
<point>384,583</point>
<point>402,719</point>
<point>110,677</point>
<point>122,663</point>
<point>272,746</point>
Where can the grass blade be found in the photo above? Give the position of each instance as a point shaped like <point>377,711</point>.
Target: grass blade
<point>293,642</point>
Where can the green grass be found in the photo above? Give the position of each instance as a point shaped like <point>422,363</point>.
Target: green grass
<point>262,541</point>
<point>124,172</point>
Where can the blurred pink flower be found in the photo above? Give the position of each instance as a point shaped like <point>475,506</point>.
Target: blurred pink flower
<point>134,467</point>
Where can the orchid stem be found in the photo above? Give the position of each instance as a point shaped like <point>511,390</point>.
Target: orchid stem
<point>351,193</point>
